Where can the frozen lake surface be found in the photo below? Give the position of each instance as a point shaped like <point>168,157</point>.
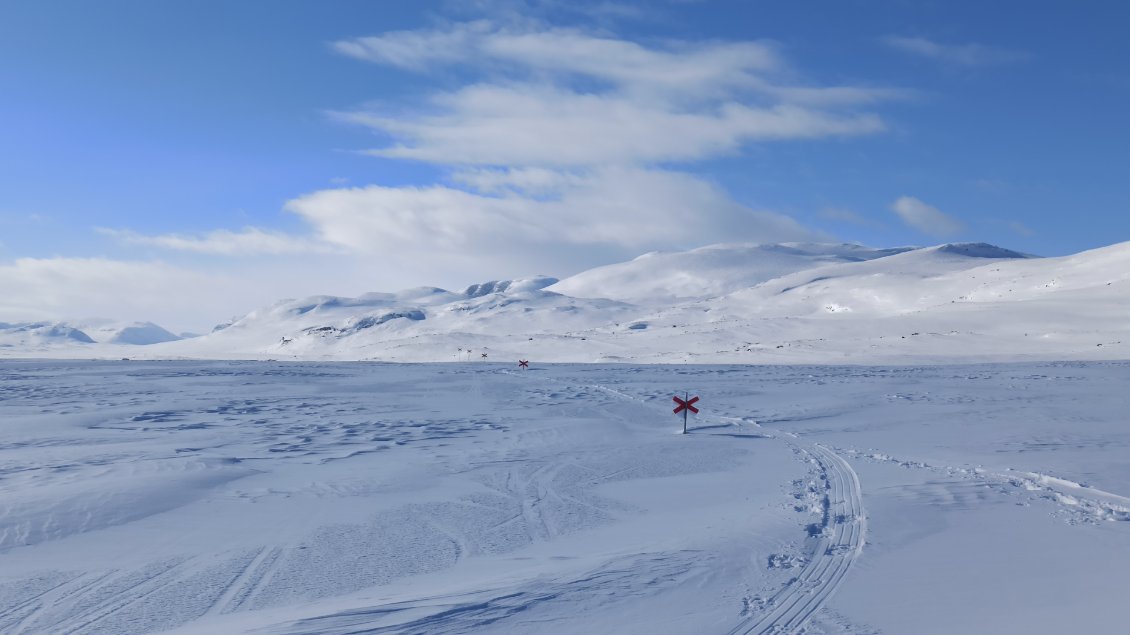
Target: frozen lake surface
<point>226,497</point>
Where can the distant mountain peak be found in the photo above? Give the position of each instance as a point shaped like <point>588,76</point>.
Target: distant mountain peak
<point>978,250</point>
<point>142,334</point>
<point>536,283</point>
<point>48,332</point>
<point>711,270</point>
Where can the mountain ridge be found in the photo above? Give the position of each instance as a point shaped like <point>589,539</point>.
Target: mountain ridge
<point>791,303</point>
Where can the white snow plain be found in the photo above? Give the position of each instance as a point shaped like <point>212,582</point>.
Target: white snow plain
<point>347,497</point>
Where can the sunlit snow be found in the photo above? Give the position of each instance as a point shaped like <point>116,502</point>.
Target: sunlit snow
<point>891,441</point>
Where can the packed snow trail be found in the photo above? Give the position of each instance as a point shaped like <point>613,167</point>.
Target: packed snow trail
<point>842,535</point>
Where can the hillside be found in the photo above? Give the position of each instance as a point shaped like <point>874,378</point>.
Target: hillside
<point>663,277</point>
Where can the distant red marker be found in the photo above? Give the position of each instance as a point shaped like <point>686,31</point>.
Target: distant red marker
<point>523,363</point>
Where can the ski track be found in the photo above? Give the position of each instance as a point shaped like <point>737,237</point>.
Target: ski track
<point>13,617</point>
<point>247,582</point>
<point>842,536</point>
<point>73,588</point>
<point>146,599</point>
<point>116,602</point>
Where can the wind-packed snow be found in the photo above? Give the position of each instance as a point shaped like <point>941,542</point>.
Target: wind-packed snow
<point>297,497</point>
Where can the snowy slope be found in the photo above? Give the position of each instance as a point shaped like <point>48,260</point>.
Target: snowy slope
<point>938,303</point>
<point>335,327</point>
<point>664,277</point>
<point>901,283</point>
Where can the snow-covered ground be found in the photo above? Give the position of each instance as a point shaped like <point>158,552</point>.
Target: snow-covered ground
<point>297,497</point>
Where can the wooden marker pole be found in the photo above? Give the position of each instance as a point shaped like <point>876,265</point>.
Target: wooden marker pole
<point>686,396</point>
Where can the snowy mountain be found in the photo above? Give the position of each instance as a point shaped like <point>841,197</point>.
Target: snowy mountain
<point>970,302</point>
<point>336,327</point>
<point>724,303</point>
<point>900,283</point>
<point>81,338</point>
<point>133,333</point>
<point>27,338</point>
<point>663,277</point>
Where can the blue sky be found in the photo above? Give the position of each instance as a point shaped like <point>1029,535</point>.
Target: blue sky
<point>185,162</point>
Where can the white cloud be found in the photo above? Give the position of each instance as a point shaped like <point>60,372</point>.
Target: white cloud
<point>532,181</point>
<point>250,241</point>
<point>679,68</point>
<point>680,71</point>
<point>926,218</point>
<point>546,126</point>
<point>572,98</point>
<point>416,49</point>
<point>957,54</point>
<point>628,209</point>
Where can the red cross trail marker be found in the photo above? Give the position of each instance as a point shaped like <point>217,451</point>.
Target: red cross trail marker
<point>685,404</point>
<point>523,363</point>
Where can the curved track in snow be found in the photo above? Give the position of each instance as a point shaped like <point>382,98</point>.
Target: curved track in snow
<point>841,541</point>
<point>842,534</point>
